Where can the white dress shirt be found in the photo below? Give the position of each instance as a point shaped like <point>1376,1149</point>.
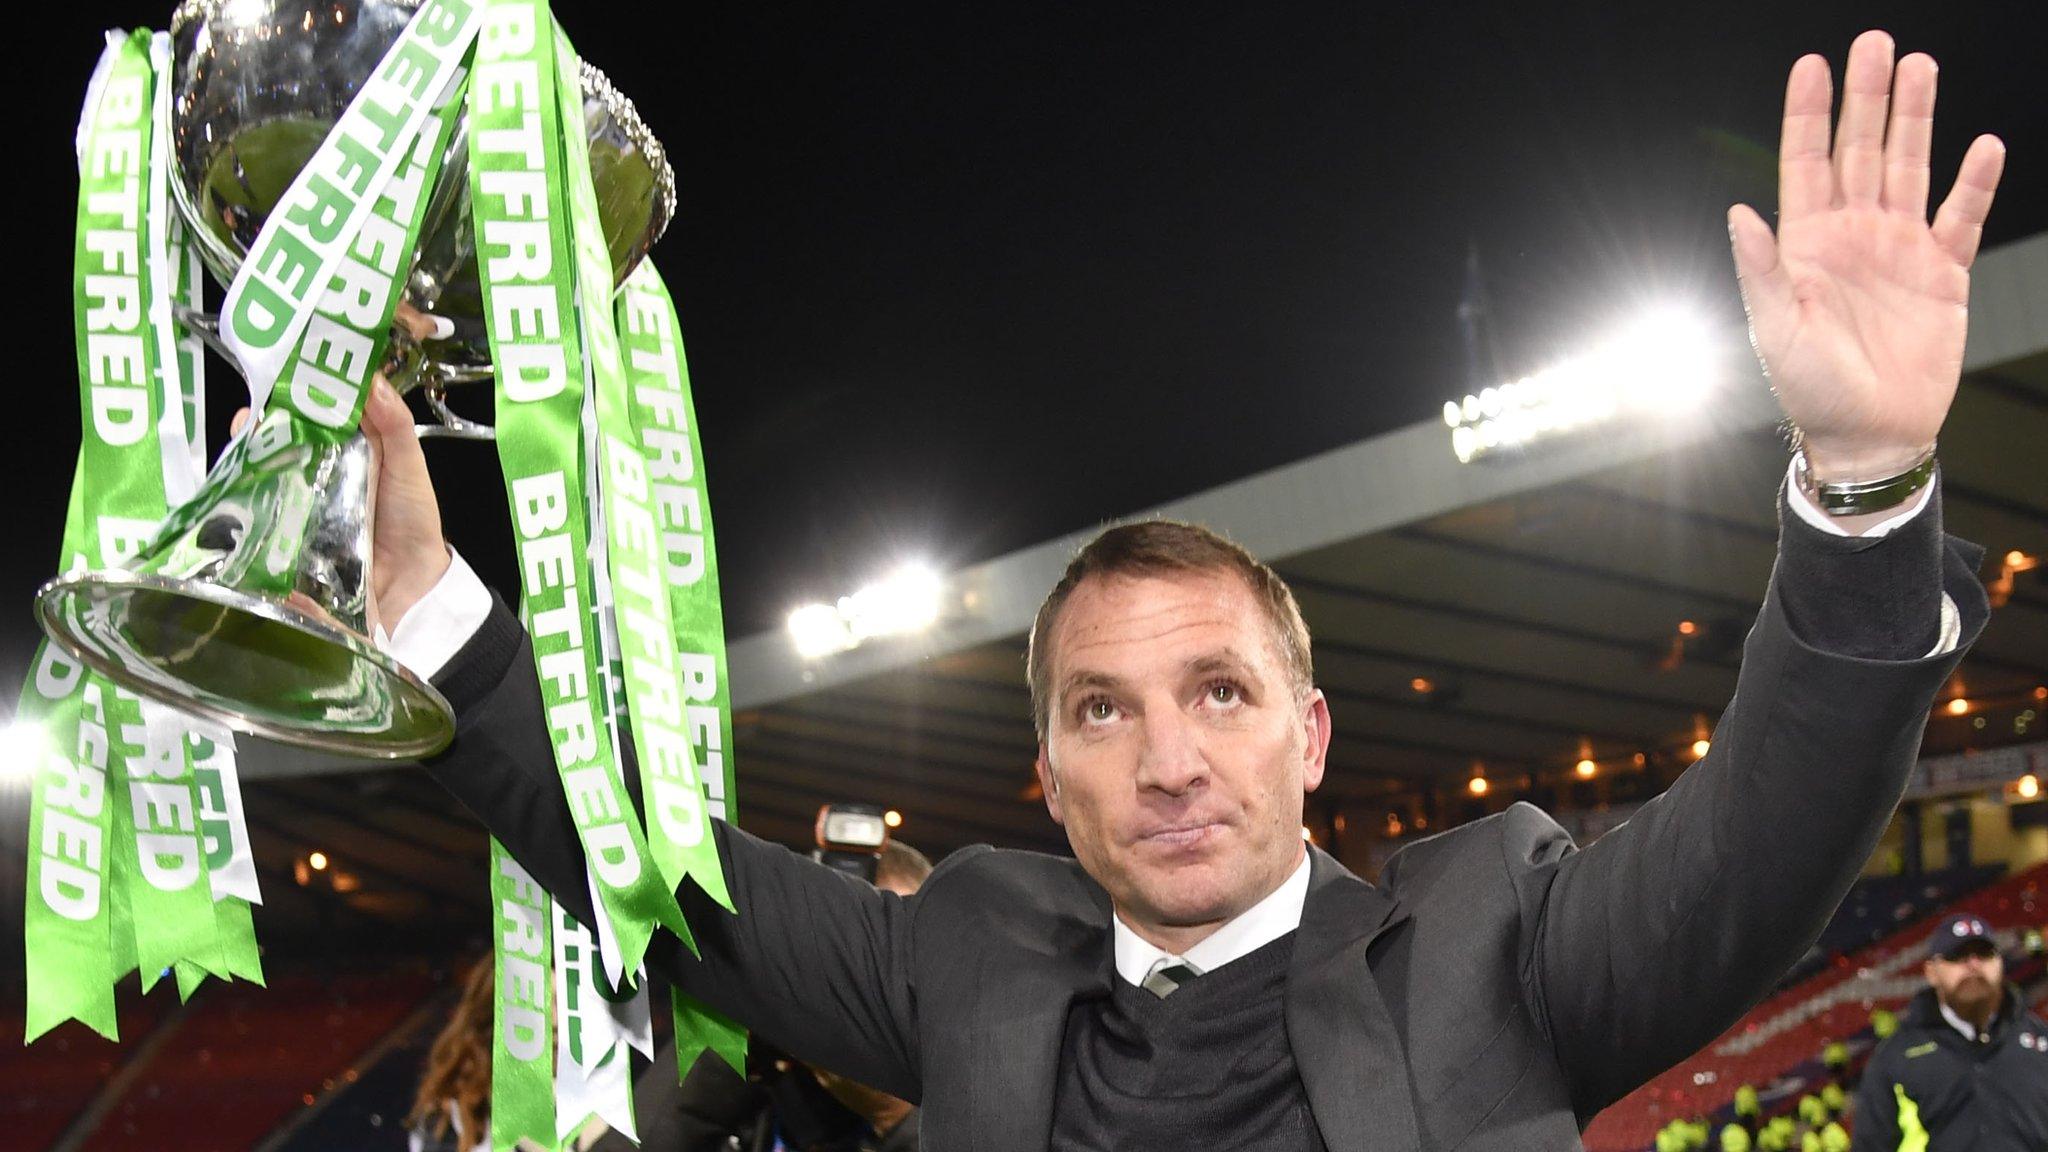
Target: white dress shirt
<point>1241,935</point>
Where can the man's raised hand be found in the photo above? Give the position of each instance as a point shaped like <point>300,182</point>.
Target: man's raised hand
<point>1858,306</point>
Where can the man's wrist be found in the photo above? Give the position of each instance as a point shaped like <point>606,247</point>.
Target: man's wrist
<point>422,575</point>
<point>1838,463</point>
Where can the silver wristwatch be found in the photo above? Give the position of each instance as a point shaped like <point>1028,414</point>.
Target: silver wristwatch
<point>1861,497</point>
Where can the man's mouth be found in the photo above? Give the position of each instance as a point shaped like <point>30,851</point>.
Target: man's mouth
<point>1183,835</point>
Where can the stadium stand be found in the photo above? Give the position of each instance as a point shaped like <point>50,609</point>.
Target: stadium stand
<point>50,1085</point>
<point>223,1071</point>
<point>1877,906</point>
<point>1777,1046</point>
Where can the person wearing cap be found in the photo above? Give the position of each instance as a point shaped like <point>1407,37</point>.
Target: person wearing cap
<point>1968,1067</point>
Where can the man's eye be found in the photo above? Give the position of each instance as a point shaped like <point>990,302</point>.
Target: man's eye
<point>1099,710</point>
<point>1223,692</point>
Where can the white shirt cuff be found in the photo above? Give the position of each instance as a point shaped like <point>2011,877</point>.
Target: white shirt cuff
<point>441,622</point>
<point>1807,510</point>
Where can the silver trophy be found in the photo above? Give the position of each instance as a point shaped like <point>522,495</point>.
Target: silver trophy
<point>202,618</point>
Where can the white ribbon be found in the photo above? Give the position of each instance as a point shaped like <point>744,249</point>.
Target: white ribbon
<point>593,1073</point>
<point>218,784</point>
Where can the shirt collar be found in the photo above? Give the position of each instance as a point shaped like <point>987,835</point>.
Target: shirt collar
<point>1257,926</point>
<point>1956,1022</point>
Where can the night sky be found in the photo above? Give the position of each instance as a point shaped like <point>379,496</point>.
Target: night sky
<point>958,278</point>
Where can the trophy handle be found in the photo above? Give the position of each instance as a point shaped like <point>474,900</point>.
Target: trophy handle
<point>452,426</point>
<point>206,326</point>
<point>405,366</point>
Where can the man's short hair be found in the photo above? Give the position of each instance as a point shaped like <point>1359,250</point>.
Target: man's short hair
<point>901,864</point>
<point>1164,548</point>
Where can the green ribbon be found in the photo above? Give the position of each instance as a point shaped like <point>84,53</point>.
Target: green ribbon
<point>665,427</point>
<point>170,895</point>
<point>522,1077</point>
<point>234,922</point>
<point>657,683</point>
<point>67,925</point>
<point>522,221</point>
<point>78,802</point>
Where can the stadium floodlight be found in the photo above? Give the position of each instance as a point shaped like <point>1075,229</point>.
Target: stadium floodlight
<point>1660,366</point>
<point>22,745</point>
<point>817,631</point>
<point>908,601</point>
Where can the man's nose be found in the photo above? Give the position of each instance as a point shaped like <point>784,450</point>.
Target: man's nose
<point>1171,760</point>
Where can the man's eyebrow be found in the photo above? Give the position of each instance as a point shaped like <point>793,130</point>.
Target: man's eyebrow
<point>1224,660</point>
<point>1088,678</point>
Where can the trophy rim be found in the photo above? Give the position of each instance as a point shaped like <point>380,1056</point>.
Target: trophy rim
<point>620,106</point>
<point>189,12</point>
<point>58,629</point>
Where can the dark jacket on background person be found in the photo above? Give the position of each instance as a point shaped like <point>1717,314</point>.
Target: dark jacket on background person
<point>1932,1089</point>
<point>1493,993</point>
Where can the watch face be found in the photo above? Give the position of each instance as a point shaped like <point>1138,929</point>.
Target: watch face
<point>854,829</point>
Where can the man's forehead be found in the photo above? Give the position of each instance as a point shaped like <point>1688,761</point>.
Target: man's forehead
<point>1169,616</point>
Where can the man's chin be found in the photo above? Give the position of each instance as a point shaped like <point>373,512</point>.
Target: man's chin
<point>1191,905</point>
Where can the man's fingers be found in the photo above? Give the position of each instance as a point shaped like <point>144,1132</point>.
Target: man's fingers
<point>388,421</point>
<point>239,421</point>
<point>1859,141</point>
<point>1959,224</point>
<point>1766,287</point>
<point>1910,137</point>
<point>1806,183</point>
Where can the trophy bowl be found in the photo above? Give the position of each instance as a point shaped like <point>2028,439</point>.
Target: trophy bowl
<point>251,604</point>
<point>256,86</point>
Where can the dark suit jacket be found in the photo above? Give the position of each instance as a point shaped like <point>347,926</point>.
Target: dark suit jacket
<point>1495,991</point>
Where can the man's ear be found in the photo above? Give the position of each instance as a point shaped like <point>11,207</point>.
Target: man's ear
<point>1315,725</point>
<point>1049,785</point>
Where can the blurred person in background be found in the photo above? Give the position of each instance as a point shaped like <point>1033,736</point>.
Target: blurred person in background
<point>452,1112</point>
<point>1967,1070</point>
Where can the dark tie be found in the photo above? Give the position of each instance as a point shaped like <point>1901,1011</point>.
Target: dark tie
<point>1164,981</point>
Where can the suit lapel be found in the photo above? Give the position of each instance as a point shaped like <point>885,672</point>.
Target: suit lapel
<point>1350,1057</point>
<point>1021,1016</point>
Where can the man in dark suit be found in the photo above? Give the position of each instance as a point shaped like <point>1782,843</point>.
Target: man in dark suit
<point>1196,977</point>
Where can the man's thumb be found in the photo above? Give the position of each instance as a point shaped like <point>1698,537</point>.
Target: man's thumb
<point>1766,286</point>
